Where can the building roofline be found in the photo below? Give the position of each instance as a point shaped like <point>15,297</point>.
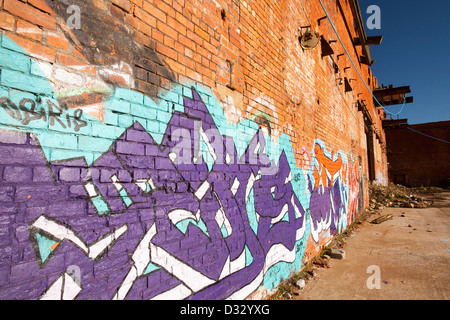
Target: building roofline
<point>356,10</point>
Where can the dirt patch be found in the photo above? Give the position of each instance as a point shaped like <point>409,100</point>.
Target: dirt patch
<point>290,289</point>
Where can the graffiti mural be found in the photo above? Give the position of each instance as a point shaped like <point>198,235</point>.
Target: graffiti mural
<point>208,232</point>
<point>356,200</point>
<point>109,49</point>
<point>153,199</point>
<point>329,193</point>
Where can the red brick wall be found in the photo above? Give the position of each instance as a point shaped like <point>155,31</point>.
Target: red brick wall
<point>93,99</point>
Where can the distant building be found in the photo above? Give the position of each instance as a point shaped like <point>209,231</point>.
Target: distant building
<point>416,155</point>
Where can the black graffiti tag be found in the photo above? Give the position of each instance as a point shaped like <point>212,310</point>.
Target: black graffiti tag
<point>30,114</point>
<point>27,112</point>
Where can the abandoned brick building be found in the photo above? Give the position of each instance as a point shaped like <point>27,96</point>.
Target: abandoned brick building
<point>173,149</point>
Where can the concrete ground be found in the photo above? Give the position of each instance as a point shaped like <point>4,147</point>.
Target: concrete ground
<point>411,252</point>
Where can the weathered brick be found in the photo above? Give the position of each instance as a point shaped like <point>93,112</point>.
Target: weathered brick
<point>133,148</point>
<point>57,40</point>
<point>25,82</point>
<point>45,193</point>
<point>6,194</point>
<point>22,45</point>
<point>142,111</point>
<point>129,95</point>
<point>55,140</point>
<point>13,137</point>
<point>69,174</point>
<point>29,13</point>
<point>29,30</point>
<point>17,174</point>
<point>68,77</point>
<point>6,21</point>
<point>42,174</point>
<point>40,4</point>
<point>137,136</point>
<point>93,143</point>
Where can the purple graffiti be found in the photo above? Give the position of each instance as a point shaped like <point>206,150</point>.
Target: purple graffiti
<point>138,225</point>
<point>326,208</point>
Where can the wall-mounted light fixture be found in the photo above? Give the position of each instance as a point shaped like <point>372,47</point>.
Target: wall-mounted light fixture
<point>309,39</point>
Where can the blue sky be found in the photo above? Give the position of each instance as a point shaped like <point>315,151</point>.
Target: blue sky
<point>415,51</point>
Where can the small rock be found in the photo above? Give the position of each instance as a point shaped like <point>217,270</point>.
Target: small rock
<point>301,283</point>
<point>409,205</point>
<point>337,254</point>
<point>382,219</point>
